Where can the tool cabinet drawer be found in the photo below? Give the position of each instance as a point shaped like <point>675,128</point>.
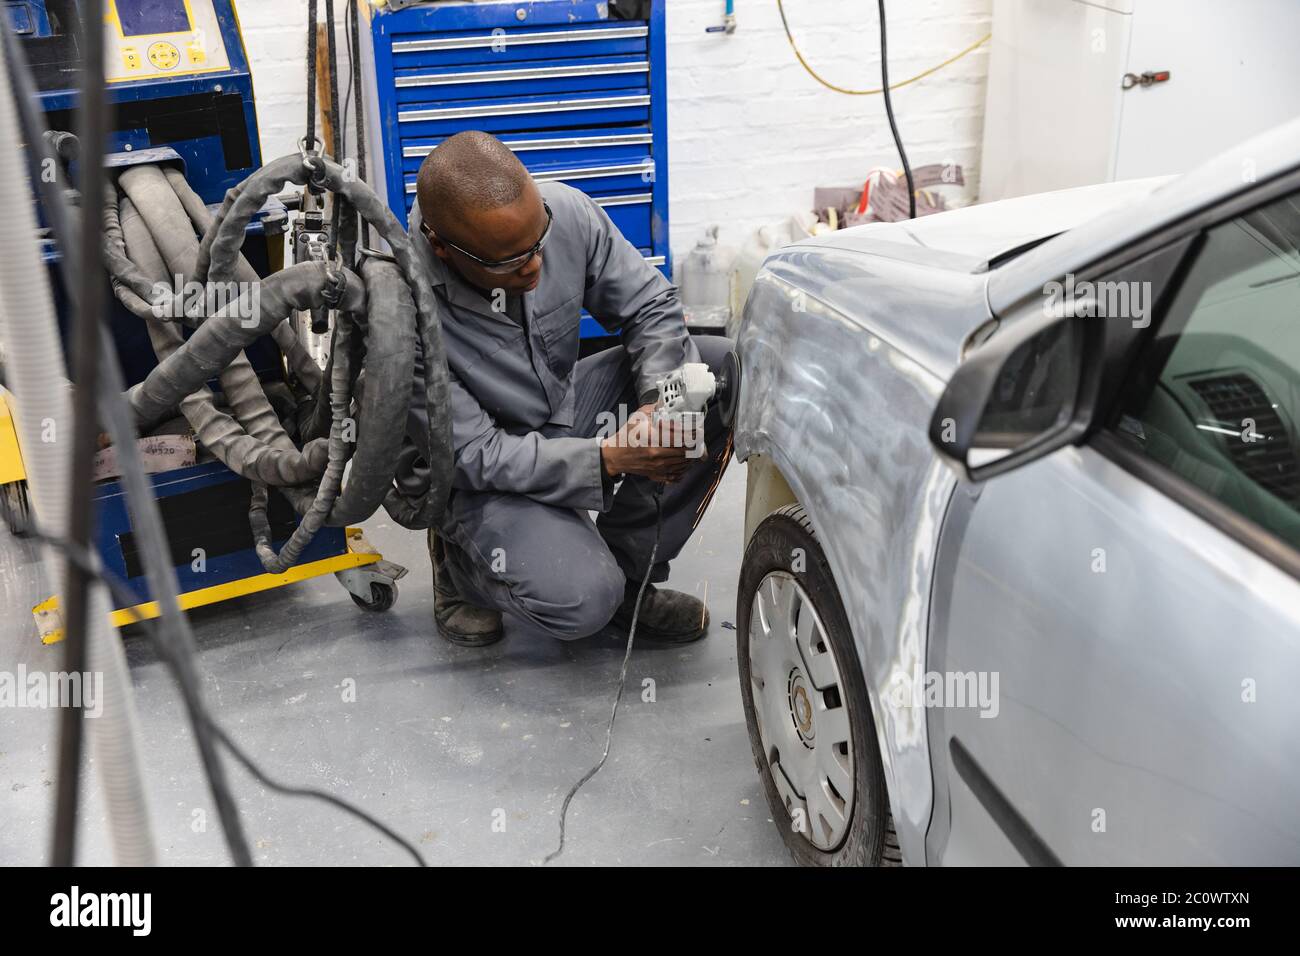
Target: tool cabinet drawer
<point>517,114</point>
<point>633,214</point>
<point>520,44</point>
<point>545,148</point>
<point>515,79</point>
<point>598,179</point>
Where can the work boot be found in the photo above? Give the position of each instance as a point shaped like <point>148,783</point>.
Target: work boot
<point>458,621</point>
<point>667,617</point>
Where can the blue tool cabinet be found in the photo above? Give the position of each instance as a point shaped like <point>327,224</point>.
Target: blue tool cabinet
<point>578,94</point>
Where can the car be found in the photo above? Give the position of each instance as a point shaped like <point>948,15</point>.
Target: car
<point>1022,527</point>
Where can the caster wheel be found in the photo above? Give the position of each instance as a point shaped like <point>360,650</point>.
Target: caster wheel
<point>382,597</point>
<point>16,507</point>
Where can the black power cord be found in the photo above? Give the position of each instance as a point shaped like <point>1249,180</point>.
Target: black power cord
<point>889,111</point>
<point>84,560</point>
<point>353,35</point>
<point>311,74</point>
<point>622,676</point>
<point>338,205</point>
<point>146,517</point>
<point>92,128</point>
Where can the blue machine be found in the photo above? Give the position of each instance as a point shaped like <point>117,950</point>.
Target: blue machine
<point>177,76</point>
<point>181,89</point>
<point>576,88</point>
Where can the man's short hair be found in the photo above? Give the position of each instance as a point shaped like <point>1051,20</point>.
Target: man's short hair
<point>469,172</point>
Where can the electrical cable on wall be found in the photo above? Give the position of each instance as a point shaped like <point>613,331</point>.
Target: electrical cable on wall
<point>889,112</point>
<point>872,92</point>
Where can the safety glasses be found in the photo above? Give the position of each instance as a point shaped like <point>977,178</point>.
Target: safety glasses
<point>500,266</point>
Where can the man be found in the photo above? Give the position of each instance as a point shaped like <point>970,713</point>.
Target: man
<point>513,263</point>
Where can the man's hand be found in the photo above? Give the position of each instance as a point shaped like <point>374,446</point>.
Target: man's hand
<point>641,447</point>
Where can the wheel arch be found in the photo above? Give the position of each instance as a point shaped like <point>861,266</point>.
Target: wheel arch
<point>771,484</point>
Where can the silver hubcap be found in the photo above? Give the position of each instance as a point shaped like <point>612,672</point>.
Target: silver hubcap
<point>803,722</point>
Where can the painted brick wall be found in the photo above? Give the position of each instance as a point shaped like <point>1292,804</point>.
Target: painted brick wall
<point>750,132</point>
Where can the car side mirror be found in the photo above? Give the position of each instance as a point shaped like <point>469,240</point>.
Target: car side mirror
<point>1019,396</point>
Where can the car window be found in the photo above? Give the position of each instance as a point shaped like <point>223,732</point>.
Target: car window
<point>1217,395</point>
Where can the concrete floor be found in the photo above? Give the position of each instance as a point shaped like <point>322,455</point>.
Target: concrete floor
<point>467,753</point>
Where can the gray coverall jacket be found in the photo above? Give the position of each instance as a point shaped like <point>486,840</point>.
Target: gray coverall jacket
<point>528,467</point>
<point>512,386</point>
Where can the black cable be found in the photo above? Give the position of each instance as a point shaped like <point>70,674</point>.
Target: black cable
<point>331,43</point>
<point>83,559</point>
<point>354,82</point>
<point>349,10</point>
<point>889,111</point>
<point>338,205</point>
<point>622,677</point>
<point>311,74</point>
<point>92,127</point>
<point>146,516</point>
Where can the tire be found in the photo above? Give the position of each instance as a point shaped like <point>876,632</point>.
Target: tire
<point>856,830</point>
<point>382,597</point>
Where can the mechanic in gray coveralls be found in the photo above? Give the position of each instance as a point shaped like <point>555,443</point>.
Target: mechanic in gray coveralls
<point>513,262</point>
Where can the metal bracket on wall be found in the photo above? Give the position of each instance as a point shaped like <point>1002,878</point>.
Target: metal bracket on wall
<point>1145,79</point>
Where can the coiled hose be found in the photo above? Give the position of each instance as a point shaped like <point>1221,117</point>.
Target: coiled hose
<point>386,315</point>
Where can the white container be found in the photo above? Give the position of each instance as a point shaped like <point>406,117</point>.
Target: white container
<point>705,280</point>
<point>762,243</point>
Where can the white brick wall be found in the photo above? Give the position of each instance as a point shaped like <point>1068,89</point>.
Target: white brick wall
<point>751,133</point>
<point>275,35</point>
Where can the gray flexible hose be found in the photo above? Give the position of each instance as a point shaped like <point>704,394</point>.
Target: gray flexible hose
<point>259,450</point>
<point>302,365</point>
<point>29,329</point>
<point>223,336</point>
<point>385,399</point>
<point>395,298</point>
<point>220,247</point>
<point>314,519</point>
<point>156,197</point>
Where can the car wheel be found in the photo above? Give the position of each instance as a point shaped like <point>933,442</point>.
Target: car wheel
<point>805,702</point>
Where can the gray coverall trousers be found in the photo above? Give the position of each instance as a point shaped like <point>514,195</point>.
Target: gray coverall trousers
<point>554,567</point>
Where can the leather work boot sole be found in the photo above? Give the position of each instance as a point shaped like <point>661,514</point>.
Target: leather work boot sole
<point>667,617</point>
<point>457,620</point>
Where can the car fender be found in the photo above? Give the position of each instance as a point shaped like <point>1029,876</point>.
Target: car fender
<point>841,414</point>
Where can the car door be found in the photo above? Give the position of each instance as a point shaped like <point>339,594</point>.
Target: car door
<point>1136,595</point>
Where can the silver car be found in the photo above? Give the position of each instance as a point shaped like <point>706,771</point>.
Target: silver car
<point>1023,527</point>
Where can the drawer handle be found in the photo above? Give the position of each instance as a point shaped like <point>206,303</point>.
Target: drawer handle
<point>535,73</point>
<point>631,199</point>
<point>524,145</point>
<point>505,40</point>
<point>592,172</point>
<point>655,260</point>
<point>498,109</point>
<point>587,172</point>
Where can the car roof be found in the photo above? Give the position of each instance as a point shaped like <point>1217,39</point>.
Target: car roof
<point>1258,160</point>
<point>976,238</point>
